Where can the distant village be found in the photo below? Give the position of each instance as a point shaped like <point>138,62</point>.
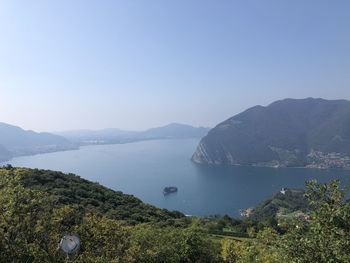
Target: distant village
<point>321,160</point>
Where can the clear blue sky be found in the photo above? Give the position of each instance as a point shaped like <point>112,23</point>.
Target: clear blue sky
<point>134,64</point>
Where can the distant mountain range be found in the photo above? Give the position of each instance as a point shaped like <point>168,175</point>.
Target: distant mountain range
<point>15,141</point>
<point>110,136</point>
<point>288,133</point>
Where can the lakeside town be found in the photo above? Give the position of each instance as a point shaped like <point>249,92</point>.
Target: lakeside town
<point>321,160</point>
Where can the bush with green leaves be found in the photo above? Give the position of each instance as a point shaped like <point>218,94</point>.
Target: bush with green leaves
<point>33,221</point>
<point>325,237</point>
<point>31,226</point>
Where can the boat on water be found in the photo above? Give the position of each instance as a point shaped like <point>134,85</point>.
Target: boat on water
<point>169,190</point>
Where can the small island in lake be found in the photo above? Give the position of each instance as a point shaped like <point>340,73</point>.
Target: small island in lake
<point>169,190</point>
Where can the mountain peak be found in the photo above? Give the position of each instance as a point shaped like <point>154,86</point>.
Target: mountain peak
<point>15,141</point>
<point>290,132</point>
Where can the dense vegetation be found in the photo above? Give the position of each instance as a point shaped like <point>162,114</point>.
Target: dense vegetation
<point>69,189</point>
<point>283,133</point>
<point>280,205</point>
<point>33,220</point>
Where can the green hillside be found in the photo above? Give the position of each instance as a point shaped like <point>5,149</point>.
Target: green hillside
<point>70,189</point>
<point>39,207</point>
<point>291,200</point>
<point>288,133</point>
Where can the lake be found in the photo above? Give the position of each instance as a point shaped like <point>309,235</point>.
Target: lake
<point>145,168</point>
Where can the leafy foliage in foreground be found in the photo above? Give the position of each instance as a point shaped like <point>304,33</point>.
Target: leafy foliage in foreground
<point>326,238</point>
<point>31,225</point>
<point>69,189</point>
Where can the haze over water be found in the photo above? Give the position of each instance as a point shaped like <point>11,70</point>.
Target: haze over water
<point>145,168</point>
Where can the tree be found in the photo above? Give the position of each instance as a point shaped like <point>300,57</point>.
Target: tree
<point>24,217</point>
<point>325,237</point>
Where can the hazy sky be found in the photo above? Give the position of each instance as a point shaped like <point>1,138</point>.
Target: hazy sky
<point>135,64</point>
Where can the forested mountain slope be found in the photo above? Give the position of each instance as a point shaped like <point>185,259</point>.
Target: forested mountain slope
<point>287,133</point>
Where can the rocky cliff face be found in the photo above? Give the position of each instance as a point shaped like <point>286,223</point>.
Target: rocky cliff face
<point>201,155</point>
<point>287,133</point>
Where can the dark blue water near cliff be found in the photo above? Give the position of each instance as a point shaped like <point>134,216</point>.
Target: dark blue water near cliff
<point>145,168</point>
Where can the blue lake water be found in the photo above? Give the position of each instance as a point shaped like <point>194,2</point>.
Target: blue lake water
<point>145,168</point>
